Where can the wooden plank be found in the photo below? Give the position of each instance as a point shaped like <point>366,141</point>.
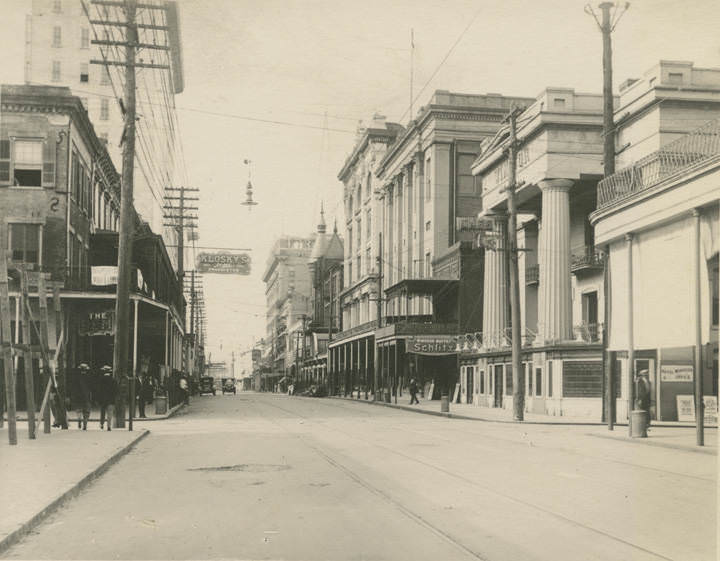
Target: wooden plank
<point>57,365</point>
<point>27,357</point>
<point>47,379</point>
<point>6,344</point>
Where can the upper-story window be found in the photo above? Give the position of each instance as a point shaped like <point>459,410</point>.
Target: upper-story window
<point>104,109</point>
<point>56,71</point>
<point>57,6</point>
<point>350,238</point>
<point>84,38</point>
<point>466,181</point>
<point>28,163</point>
<point>57,36</point>
<point>501,172</point>
<point>523,156</point>
<point>368,221</point>
<point>84,72</point>
<point>368,186</point>
<point>24,243</point>
<point>428,181</point>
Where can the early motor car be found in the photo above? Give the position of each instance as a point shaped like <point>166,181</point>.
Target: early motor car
<point>207,385</point>
<point>228,385</point>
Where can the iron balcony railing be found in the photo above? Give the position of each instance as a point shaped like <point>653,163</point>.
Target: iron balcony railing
<point>587,257</point>
<point>588,332</point>
<point>532,274</point>
<point>695,148</point>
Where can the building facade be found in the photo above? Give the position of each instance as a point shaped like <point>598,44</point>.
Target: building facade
<point>59,50</point>
<point>59,208</point>
<point>426,283</point>
<point>657,220</point>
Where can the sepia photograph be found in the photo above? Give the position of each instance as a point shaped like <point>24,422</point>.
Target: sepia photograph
<point>408,280</point>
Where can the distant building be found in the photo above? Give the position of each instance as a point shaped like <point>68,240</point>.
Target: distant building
<point>287,294</point>
<point>58,51</point>
<point>658,220</point>
<point>324,321</point>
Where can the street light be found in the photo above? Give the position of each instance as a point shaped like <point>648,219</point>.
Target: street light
<point>249,202</point>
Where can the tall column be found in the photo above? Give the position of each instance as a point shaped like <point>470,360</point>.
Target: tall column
<point>495,291</point>
<point>555,321</point>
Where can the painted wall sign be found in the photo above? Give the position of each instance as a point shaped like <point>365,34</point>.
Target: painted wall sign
<point>676,373</point>
<point>103,275</point>
<point>98,323</point>
<point>223,263</point>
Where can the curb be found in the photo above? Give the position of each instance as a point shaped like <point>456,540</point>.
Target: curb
<point>15,536</point>
<point>468,417</point>
<point>650,442</point>
<point>170,413</point>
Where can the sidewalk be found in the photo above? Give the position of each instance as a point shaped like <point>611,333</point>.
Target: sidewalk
<point>665,434</point>
<point>38,476</point>
<point>95,416</point>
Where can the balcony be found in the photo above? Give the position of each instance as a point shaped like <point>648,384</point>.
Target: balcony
<point>345,333</point>
<point>586,258</point>
<point>414,328</point>
<point>692,150</point>
<point>588,332</point>
<point>532,274</point>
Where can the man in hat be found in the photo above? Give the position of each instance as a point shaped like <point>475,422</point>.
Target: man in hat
<point>642,394</point>
<point>81,394</point>
<point>107,389</point>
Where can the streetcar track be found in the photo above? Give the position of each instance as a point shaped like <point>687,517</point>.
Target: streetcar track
<point>570,451</point>
<point>489,490</point>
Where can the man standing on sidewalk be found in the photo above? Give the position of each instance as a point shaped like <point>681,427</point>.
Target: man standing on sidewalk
<point>413,392</point>
<point>81,394</point>
<point>108,392</point>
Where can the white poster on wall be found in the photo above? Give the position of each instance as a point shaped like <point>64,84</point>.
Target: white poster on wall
<point>686,408</point>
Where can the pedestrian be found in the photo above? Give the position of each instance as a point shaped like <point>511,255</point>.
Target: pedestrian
<point>413,392</point>
<point>184,390</point>
<point>81,394</point>
<point>140,395</point>
<point>148,392</point>
<point>642,394</point>
<point>107,395</point>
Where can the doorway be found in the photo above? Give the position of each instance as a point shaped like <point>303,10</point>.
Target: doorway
<point>470,384</point>
<point>649,365</point>
<point>498,379</point>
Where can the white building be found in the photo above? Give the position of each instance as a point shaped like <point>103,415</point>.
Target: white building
<point>58,51</point>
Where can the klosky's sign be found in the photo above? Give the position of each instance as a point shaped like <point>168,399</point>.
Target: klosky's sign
<point>224,263</point>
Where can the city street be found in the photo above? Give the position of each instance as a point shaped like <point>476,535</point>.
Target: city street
<point>267,476</point>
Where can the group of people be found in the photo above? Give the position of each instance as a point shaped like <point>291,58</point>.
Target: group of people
<point>102,388</point>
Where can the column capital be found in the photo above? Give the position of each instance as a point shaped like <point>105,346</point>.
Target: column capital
<point>555,184</point>
<point>697,212</point>
<point>629,237</point>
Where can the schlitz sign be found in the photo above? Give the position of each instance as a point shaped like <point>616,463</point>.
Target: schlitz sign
<point>224,263</point>
<point>431,345</point>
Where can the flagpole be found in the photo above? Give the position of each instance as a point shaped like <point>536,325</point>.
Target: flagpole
<point>412,64</point>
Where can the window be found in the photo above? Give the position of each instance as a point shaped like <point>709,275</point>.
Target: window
<point>28,163</point>
<point>84,38</point>
<point>714,269</point>
<point>368,220</point>
<point>427,226</point>
<point>559,103</point>
<point>104,109</point>
<point>25,243</point>
<point>57,36</point>
<point>359,267</point>
<point>368,261</point>
<point>56,71</point>
<point>84,72</point>
<point>428,181</point>
<point>349,238</point>
<point>538,382</point>
<point>349,269</point>
<point>428,265</point>
<point>57,6</point>
<point>104,76</point>
<point>550,378</point>
<point>465,179</point>
<point>675,78</point>
<point>481,375</point>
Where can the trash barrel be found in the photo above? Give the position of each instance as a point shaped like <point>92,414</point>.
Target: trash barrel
<point>161,405</point>
<point>444,403</point>
<point>638,423</point>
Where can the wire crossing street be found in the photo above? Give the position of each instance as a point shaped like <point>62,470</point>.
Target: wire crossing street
<point>267,476</point>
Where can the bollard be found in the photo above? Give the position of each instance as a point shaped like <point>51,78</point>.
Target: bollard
<point>638,423</point>
<point>444,403</point>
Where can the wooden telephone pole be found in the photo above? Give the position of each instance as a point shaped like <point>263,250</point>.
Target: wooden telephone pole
<point>517,374</point>
<point>121,368</point>
<point>178,217</point>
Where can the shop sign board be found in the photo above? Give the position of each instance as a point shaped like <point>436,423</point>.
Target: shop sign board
<point>98,323</point>
<point>431,345</point>
<point>676,373</point>
<point>223,262</point>
<point>103,275</point>
<point>686,408</point>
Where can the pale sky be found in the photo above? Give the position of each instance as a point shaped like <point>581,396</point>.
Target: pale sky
<point>294,61</point>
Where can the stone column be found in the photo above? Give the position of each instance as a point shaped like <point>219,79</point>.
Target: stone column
<point>555,317</point>
<point>495,287</point>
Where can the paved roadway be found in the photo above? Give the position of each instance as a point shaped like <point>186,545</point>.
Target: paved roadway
<point>261,476</point>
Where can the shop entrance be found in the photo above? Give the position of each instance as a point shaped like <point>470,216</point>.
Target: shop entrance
<point>498,385</point>
<point>470,384</point>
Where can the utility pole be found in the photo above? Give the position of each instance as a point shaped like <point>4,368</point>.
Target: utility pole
<point>517,374</point>
<point>606,26</point>
<point>379,310</point>
<point>179,220</point>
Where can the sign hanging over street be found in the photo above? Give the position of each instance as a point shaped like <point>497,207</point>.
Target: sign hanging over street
<point>431,345</point>
<point>223,263</point>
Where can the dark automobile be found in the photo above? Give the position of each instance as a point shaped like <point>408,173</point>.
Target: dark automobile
<point>207,385</point>
<point>228,385</point>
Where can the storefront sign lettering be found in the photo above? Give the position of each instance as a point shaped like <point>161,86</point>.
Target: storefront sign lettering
<point>103,276</point>
<point>224,263</point>
<point>98,323</point>
<point>434,345</point>
<point>676,373</point>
